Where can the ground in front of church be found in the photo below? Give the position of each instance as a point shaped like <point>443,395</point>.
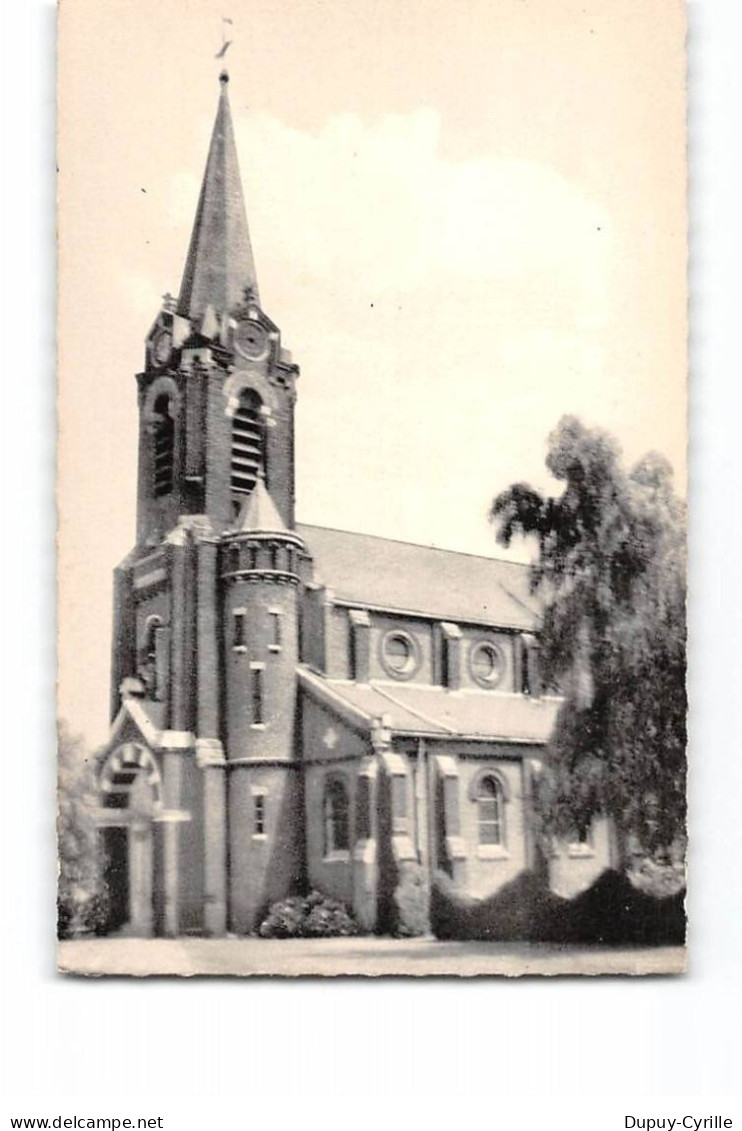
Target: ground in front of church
<point>366,956</point>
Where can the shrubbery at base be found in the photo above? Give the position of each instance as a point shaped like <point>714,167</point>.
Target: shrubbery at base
<point>313,916</point>
<point>611,911</point>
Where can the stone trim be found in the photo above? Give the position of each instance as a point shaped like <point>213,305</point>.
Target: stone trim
<point>420,614</point>
<point>112,818</point>
<point>492,852</point>
<point>209,752</point>
<point>246,763</point>
<point>235,385</point>
<point>456,846</point>
<point>489,772</point>
<point>154,738</point>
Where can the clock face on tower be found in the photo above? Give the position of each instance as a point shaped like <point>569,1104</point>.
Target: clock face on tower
<point>163,344</point>
<point>250,340</point>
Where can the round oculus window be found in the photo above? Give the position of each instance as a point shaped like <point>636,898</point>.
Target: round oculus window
<point>399,654</point>
<point>487,664</point>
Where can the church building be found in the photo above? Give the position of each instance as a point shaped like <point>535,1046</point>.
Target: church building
<point>296,706</point>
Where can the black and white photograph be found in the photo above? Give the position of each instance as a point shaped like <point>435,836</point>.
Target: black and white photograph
<point>372,488</point>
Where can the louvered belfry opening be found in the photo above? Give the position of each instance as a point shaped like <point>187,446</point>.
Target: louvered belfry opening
<point>248,444</point>
<point>164,447</point>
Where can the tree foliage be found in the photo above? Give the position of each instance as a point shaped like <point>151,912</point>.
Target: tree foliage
<point>611,572</point>
<point>81,893</point>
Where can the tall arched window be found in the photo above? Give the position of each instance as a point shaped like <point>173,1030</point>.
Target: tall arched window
<point>149,643</point>
<point>248,443</point>
<point>150,662</point>
<point>164,444</point>
<point>490,812</point>
<point>337,816</point>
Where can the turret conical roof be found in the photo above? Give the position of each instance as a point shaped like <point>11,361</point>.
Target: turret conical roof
<point>259,513</point>
<point>220,264</point>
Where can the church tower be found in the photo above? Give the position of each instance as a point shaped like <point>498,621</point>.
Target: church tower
<point>216,397</point>
<point>205,607</point>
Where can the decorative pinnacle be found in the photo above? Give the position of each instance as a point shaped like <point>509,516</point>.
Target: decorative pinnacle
<point>224,78</point>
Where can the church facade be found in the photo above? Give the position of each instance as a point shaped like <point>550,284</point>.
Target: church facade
<point>294,705</point>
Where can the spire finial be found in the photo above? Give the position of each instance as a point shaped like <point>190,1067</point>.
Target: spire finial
<point>224,78</point>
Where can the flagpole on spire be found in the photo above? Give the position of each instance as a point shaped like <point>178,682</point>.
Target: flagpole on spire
<point>225,42</point>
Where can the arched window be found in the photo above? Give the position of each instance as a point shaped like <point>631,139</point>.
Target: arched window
<point>164,446</point>
<point>149,646</point>
<point>490,812</point>
<point>248,443</point>
<point>337,816</point>
<point>148,655</point>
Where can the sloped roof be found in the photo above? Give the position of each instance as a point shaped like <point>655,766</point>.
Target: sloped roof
<point>415,709</point>
<point>139,714</point>
<point>383,573</point>
<point>220,262</point>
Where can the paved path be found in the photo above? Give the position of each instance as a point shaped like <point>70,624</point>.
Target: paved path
<point>362,956</point>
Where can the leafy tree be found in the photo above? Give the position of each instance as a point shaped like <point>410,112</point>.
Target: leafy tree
<point>611,571</point>
<point>81,893</point>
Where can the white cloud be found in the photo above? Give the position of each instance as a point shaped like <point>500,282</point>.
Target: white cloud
<point>378,202</point>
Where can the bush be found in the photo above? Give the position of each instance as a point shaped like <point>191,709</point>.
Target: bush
<point>660,878</point>
<point>524,910</point>
<point>315,916</point>
<point>611,911</point>
<point>614,911</point>
<point>285,919</point>
<point>82,898</point>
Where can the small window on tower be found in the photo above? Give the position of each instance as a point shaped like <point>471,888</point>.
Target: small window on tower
<point>525,670</point>
<point>164,447</point>
<point>234,558</point>
<point>276,631</point>
<point>259,822</point>
<point>238,640</point>
<point>257,685</point>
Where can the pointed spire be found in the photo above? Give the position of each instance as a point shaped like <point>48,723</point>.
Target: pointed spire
<point>259,514</point>
<point>220,262</point>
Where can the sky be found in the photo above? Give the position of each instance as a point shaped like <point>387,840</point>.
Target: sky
<point>468,219</point>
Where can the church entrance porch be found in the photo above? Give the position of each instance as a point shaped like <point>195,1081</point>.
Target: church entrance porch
<point>139,843</point>
<point>129,875</point>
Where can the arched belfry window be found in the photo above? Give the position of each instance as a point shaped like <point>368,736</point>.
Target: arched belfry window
<point>149,644</point>
<point>337,816</point>
<point>164,446</point>
<point>248,443</point>
<point>490,811</point>
<point>154,658</point>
